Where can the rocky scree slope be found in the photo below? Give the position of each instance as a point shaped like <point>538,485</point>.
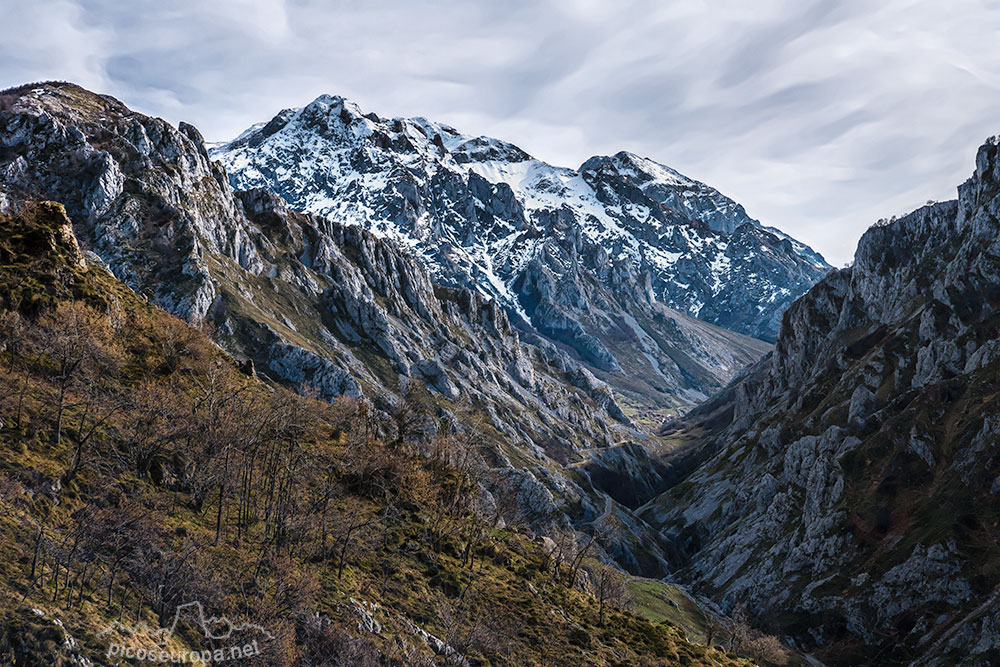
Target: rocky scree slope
<point>850,481</point>
<point>314,303</point>
<point>584,257</point>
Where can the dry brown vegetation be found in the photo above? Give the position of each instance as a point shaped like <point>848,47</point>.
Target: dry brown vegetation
<point>140,470</point>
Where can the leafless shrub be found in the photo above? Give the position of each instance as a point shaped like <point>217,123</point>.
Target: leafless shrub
<point>749,642</point>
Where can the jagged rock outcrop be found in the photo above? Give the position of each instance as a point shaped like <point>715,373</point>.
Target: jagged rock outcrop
<point>143,195</point>
<point>847,485</point>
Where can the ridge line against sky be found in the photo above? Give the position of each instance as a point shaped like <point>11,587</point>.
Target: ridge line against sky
<point>819,117</point>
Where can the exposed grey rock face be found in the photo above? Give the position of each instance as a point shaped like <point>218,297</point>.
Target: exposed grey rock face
<point>307,369</point>
<point>365,611</point>
<point>930,574</point>
<point>588,258</point>
<point>847,481</point>
<point>862,402</point>
<point>108,166</point>
<point>626,471</point>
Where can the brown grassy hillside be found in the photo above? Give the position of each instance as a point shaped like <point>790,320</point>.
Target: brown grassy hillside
<point>141,469</point>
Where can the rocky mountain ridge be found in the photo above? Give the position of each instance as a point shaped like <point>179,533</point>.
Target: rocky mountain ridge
<point>581,257</point>
<point>480,209</point>
<point>848,490</point>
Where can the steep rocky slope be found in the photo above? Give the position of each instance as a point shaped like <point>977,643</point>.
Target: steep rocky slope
<point>125,537</point>
<point>333,309</point>
<point>583,257</point>
<point>849,485</point>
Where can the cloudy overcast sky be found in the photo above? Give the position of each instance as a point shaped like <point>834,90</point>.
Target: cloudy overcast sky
<point>819,117</point>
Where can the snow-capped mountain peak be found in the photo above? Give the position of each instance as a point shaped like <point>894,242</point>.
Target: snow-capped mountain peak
<point>480,211</point>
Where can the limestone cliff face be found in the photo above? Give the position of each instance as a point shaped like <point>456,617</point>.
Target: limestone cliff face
<point>848,490</point>
<point>143,194</point>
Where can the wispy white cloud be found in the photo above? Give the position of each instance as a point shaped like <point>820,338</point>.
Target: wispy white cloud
<point>819,117</point>
<point>52,39</point>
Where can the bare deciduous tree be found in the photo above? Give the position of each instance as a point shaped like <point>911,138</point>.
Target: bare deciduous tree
<point>75,337</point>
<point>747,641</point>
<point>610,587</point>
